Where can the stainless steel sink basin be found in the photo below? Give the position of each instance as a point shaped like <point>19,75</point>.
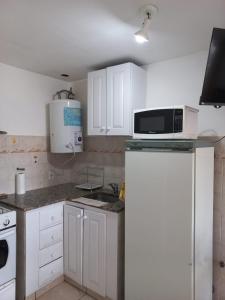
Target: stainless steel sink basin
<point>102,196</point>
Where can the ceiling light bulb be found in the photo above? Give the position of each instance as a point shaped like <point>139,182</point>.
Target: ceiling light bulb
<point>141,37</point>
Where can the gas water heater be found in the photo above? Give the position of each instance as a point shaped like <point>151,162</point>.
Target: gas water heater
<point>65,126</point>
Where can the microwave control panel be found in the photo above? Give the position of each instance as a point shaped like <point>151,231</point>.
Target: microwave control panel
<point>178,120</point>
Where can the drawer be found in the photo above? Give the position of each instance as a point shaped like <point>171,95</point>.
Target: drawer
<point>51,236</point>
<point>51,215</point>
<point>50,272</point>
<point>51,253</point>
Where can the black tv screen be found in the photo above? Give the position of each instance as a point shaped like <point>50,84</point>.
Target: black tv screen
<point>213,92</point>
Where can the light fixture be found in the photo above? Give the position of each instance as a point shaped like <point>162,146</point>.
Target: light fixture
<point>141,36</point>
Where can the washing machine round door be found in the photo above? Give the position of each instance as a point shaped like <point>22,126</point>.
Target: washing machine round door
<point>7,255</point>
<point>4,253</point>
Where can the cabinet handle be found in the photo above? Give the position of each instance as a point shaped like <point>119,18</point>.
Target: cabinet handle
<point>52,218</point>
<point>78,216</point>
<point>52,237</point>
<point>102,129</point>
<point>85,217</point>
<point>108,129</point>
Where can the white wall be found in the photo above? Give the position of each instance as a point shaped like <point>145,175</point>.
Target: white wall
<point>23,100</point>
<point>179,81</point>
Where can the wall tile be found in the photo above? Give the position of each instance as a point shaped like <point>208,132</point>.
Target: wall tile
<point>3,143</point>
<point>31,153</point>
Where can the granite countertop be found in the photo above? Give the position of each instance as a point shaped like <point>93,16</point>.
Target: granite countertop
<point>50,195</point>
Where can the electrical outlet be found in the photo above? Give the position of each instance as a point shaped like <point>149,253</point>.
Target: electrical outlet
<point>35,159</point>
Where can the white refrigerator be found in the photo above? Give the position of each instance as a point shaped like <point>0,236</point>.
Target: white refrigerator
<point>168,220</point>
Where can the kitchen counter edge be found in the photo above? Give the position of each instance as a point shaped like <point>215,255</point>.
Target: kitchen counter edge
<point>38,198</point>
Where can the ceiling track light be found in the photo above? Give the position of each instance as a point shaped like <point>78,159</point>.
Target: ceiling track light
<point>141,36</point>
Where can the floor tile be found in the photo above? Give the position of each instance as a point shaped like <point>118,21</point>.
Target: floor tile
<point>64,291</point>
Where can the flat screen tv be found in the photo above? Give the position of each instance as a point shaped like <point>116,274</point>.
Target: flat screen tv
<point>213,92</point>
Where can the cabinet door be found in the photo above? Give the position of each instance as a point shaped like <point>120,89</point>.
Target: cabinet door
<point>73,242</point>
<point>97,102</point>
<point>119,100</point>
<point>95,252</point>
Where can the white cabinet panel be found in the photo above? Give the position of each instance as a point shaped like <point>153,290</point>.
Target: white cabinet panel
<point>50,272</point>
<point>119,100</point>
<point>7,291</point>
<point>97,102</point>
<point>31,251</point>
<point>51,253</point>
<point>73,242</point>
<point>51,236</point>
<point>113,94</point>
<point>41,234</point>
<point>95,252</point>
<point>51,215</point>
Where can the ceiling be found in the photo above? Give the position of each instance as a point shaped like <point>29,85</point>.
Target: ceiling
<point>52,37</point>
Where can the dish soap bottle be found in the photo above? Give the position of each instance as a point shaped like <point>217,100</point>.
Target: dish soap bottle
<point>122,192</point>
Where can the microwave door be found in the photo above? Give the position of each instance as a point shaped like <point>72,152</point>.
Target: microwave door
<point>154,121</point>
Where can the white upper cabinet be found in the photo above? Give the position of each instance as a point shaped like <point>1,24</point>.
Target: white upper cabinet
<point>97,102</point>
<point>118,100</point>
<point>113,94</point>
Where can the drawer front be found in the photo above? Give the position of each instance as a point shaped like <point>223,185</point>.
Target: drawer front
<point>50,272</point>
<point>51,236</point>
<point>51,253</point>
<point>8,291</point>
<point>51,215</point>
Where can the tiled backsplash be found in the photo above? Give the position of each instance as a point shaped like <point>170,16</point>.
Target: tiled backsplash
<point>42,168</point>
<point>103,152</point>
<point>45,169</point>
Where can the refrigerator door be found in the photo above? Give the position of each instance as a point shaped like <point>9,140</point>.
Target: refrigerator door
<point>159,225</point>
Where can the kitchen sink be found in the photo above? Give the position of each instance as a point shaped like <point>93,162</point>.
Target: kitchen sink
<point>102,196</point>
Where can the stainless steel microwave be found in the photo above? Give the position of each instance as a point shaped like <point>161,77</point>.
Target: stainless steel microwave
<point>176,122</point>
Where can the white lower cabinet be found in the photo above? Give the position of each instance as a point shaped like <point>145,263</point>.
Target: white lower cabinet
<point>7,291</point>
<point>51,236</point>
<point>51,253</point>
<point>50,272</point>
<point>92,254</point>
<point>43,248</point>
<point>85,244</point>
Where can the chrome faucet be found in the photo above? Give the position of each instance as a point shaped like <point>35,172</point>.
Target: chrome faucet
<point>115,188</point>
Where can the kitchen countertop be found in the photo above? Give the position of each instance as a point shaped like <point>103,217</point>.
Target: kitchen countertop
<point>46,196</point>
